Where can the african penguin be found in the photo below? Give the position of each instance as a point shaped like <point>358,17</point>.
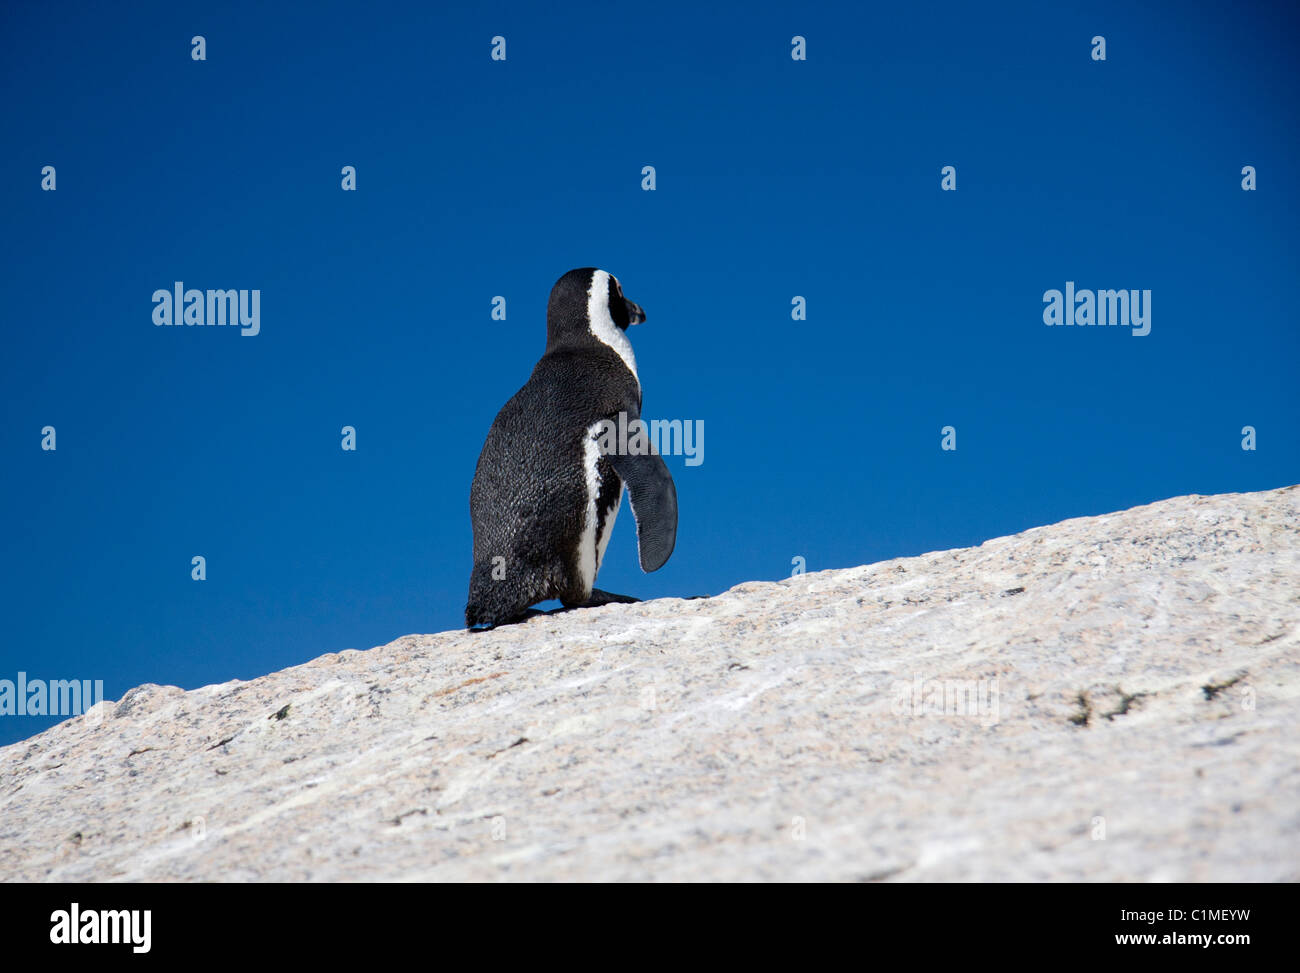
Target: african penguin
<point>545,493</point>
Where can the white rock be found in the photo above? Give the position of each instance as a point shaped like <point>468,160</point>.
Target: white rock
<point>1131,715</point>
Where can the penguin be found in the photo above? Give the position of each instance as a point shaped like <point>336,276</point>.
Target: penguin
<point>547,487</point>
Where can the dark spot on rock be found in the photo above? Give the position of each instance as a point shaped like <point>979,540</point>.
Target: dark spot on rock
<point>511,747</point>
<point>1126,701</point>
<point>1220,742</point>
<point>1084,715</point>
<point>1212,689</point>
<point>406,814</point>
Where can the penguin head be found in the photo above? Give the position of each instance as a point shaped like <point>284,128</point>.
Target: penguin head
<point>588,303</point>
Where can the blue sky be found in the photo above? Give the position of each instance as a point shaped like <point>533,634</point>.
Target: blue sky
<point>479,178</point>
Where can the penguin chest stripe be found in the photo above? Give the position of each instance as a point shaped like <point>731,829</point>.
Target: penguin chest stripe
<point>607,512</point>
<point>604,492</point>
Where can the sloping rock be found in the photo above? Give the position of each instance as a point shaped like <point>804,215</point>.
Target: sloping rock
<point>1108,698</point>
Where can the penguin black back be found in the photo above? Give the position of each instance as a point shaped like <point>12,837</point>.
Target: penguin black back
<point>544,497</point>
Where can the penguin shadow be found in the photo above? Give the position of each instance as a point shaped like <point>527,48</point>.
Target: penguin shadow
<point>598,599</point>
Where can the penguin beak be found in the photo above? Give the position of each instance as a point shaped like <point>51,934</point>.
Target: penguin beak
<point>634,313</point>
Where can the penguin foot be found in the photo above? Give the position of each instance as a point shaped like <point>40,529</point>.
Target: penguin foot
<point>595,600</point>
<point>521,617</point>
<point>599,598</point>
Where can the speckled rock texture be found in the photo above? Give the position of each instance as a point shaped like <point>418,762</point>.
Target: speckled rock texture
<point>1108,698</point>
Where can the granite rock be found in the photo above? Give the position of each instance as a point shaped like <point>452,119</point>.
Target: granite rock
<point>1112,698</point>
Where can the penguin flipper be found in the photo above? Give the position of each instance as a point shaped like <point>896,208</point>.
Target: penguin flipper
<point>654,504</point>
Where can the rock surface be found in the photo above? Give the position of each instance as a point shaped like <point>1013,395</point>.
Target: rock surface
<point>1108,698</point>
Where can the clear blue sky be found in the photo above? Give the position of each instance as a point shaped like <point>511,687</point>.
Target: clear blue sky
<point>479,178</point>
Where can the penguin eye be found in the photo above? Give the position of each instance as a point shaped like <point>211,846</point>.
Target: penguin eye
<point>617,306</point>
